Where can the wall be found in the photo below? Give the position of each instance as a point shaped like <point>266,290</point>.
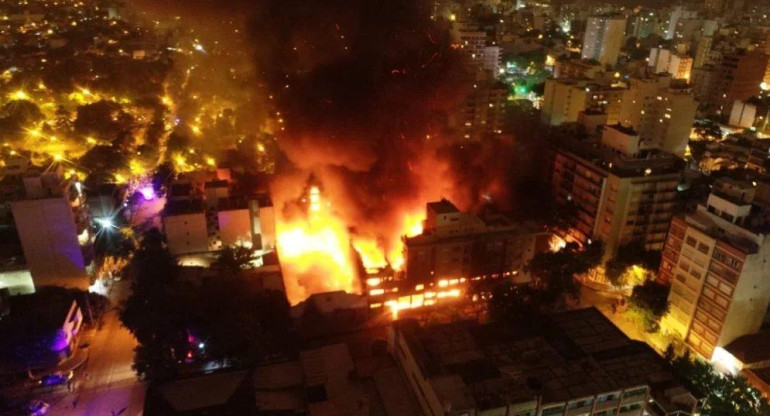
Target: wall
<point>234,227</point>
<point>49,239</point>
<point>186,233</point>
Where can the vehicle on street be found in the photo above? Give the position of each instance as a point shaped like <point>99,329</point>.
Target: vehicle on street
<point>56,379</point>
<point>37,408</point>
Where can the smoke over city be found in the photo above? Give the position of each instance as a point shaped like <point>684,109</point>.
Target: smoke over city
<point>358,96</point>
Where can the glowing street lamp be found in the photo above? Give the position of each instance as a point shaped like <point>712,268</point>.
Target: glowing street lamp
<point>19,95</point>
<point>148,193</point>
<point>105,222</point>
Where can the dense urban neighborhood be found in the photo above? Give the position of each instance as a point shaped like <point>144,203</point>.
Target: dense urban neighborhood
<point>385,208</point>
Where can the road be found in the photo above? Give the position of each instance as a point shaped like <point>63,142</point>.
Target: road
<point>107,385</point>
<point>602,300</point>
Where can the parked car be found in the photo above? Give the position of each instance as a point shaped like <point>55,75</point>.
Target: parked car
<point>56,379</point>
<point>37,408</point>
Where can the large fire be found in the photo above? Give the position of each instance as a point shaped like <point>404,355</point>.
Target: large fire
<point>319,253</point>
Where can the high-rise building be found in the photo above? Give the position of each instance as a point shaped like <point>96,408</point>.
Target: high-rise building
<point>702,51</point>
<point>737,76</point>
<point>662,115</point>
<point>677,14</point>
<point>603,38</point>
<point>717,261</point>
<point>564,100</point>
<point>571,363</point>
<point>623,193</point>
<point>51,217</point>
<point>482,112</point>
<point>664,61</point>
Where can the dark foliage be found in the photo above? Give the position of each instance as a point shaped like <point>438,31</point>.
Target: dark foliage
<point>726,395</point>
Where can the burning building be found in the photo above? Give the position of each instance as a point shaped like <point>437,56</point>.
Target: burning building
<point>459,244</point>
<point>454,249</point>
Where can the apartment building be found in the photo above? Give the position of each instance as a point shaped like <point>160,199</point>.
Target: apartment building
<point>716,260</point>
<point>623,193</point>
<point>51,217</point>
<point>662,115</point>
<point>736,77</point>
<point>565,99</point>
<point>482,111</point>
<point>208,217</point>
<point>603,38</point>
<point>571,363</point>
<point>458,245</point>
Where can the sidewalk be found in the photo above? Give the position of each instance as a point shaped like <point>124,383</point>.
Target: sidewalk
<point>80,356</point>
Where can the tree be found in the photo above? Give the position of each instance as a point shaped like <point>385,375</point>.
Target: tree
<point>20,114</point>
<point>234,258</point>
<point>63,120</point>
<point>162,175</point>
<point>104,160</point>
<point>216,318</point>
<point>155,312</point>
<point>512,302</point>
<point>556,271</point>
<point>630,257</point>
<point>650,302</point>
<point>726,395</point>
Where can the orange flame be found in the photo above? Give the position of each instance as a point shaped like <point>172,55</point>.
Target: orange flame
<point>315,251</point>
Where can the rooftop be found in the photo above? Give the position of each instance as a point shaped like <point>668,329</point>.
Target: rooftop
<point>442,207</point>
<point>183,207</point>
<point>752,348</point>
<point>570,355</point>
<point>647,162</point>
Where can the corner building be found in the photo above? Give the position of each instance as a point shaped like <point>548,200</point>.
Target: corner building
<point>716,260</point>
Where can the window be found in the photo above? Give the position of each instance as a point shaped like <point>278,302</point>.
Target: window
<point>553,411</point>
<point>630,407</point>
<point>677,231</point>
<point>635,392</point>
<point>691,241</point>
<point>695,273</point>
<point>607,398</point>
<point>703,248</point>
<point>580,403</point>
<point>726,289</point>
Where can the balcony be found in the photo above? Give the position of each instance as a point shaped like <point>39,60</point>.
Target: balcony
<point>607,405</point>
<point>578,410</point>
<point>633,398</point>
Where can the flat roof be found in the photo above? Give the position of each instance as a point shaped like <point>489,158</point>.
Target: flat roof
<point>442,207</point>
<point>561,357</point>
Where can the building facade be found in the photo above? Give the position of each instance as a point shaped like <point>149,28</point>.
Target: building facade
<point>716,260</point>
<point>620,197</point>
<point>604,36</point>
<point>458,245</point>
<point>51,218</point>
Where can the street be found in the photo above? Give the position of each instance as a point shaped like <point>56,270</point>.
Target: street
<point>107,385</point>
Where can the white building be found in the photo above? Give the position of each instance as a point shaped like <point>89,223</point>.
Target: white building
<point>51,218</point>
<point>603,38</point>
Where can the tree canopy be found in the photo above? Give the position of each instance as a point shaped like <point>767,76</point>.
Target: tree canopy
<point>180,320</point>
<point>556,271</point>
<point>726,395</point>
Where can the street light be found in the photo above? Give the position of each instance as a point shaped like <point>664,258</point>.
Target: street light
<point>105,222</point>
